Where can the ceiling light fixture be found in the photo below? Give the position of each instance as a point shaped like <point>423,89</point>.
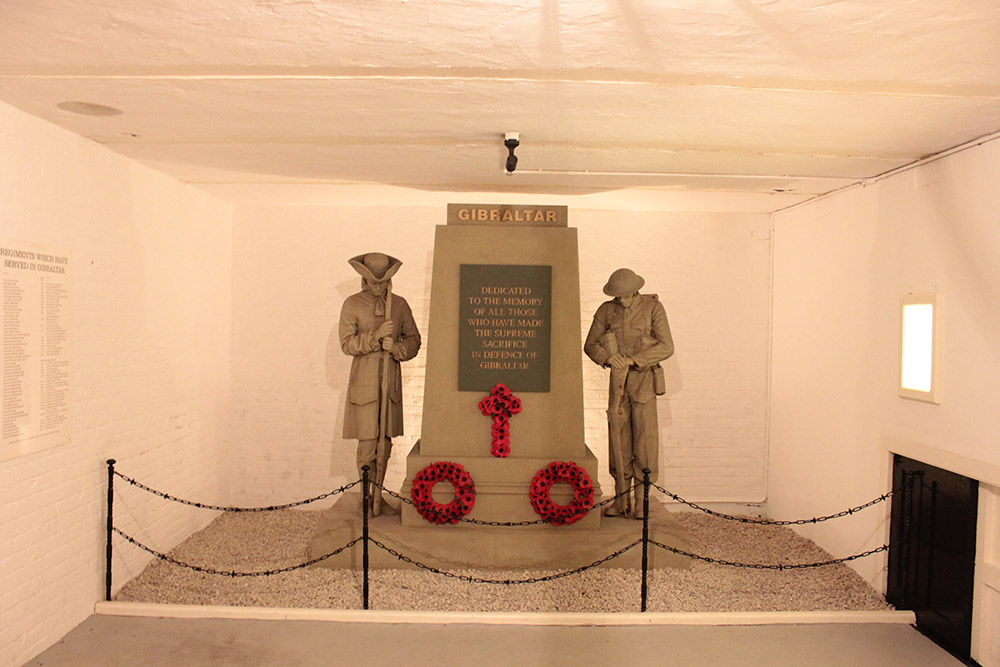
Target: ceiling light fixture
<point>89,109</point>
<point>511,140</point>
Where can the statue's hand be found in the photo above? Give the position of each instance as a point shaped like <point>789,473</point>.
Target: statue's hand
<point>387,343</point>
<point>384,330</point>
<point>619,362</point>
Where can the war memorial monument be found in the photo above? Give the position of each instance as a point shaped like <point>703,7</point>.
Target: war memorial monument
<point>501,476</point>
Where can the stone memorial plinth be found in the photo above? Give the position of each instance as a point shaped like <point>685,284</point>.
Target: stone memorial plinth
<point>490,284</point>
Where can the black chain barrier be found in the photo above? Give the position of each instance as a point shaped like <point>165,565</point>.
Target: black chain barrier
<point>223,508</point>
<point>504,582</point>
<point>772,522</point>
<point>365,538</point>
<point>779,567</point>
<point>231,573</point>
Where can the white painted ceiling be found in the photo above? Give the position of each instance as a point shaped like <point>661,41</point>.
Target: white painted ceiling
<point>793,96</point>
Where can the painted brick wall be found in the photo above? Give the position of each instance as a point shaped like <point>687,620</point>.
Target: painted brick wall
<point>711,273</point>
<point>289,375</point>
<point>151,264</point>
<point>291,276</point>
<point>841,266</point>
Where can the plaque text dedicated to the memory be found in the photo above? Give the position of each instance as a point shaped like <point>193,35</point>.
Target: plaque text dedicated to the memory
<point>504,330</point>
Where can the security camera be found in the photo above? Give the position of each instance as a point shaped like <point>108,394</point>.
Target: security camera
<point>511,140</point>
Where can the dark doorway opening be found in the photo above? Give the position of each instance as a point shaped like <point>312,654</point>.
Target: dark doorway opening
<point>932,551</point>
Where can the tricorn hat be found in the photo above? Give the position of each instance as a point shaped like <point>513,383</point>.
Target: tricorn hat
<point>623,282</point>
<point>375,267</point>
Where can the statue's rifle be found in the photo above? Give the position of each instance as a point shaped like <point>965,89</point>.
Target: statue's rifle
<point>383,417</point>
<point>618,378</point>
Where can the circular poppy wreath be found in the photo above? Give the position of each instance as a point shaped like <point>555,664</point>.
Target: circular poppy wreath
<point>423,498</point>
<point>572,474</point>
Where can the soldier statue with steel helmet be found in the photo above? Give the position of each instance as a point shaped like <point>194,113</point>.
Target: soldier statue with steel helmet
<point>378,331</point>
<point>630,334</point>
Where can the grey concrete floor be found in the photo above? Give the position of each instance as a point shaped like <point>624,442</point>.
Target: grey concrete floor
<point>120,640</point>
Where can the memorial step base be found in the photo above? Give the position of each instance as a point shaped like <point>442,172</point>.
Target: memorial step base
<point>464,546</point>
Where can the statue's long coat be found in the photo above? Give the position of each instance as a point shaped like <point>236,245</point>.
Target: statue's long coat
<point>358,322</point>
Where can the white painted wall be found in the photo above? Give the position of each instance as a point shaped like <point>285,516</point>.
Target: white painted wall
<point>291,276</point>
<point>840,267</point>
<point>151,265</point>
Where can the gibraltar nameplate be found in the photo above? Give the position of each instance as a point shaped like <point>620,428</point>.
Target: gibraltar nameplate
<point>504,331</point>
<point>507,214</point>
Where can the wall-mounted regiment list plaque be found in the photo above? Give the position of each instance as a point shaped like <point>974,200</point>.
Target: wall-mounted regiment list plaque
<point>35,343</point>
<point>505,327</point>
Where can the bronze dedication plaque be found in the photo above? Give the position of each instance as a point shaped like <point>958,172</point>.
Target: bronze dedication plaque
<point>504,329</point>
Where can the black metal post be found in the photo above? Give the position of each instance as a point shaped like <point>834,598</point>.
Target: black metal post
<point>364,534</point>
<point>920,513</point>
<point>904,541</point>
<point>111,525</point>
<point>911,478</point>
<point>645,533</point>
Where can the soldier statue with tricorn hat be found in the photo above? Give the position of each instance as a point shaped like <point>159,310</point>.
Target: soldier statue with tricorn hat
<point>378,331</point>
<point>631,335</point>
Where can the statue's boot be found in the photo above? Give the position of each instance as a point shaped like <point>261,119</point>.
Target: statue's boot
<point>639,513</point>
<point>384,507</point>
<point>614,509</point>
<point>620,507</point>
<point>368,507</point>
<point>366,456</point>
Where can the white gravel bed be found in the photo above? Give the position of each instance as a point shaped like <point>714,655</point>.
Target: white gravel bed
<point>249,542</point>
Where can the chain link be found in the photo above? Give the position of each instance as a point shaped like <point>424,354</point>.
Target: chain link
<point>758,566</point>
<point>222,508</point>
<point>502,582</point>
<point>772,522</point>
<point>506,524</point>
<point>230,573</point>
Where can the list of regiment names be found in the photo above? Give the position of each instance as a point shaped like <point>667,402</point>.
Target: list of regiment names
<point>35,346</point>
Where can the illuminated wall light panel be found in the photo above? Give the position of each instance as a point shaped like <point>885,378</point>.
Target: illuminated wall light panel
<point>920,347</point>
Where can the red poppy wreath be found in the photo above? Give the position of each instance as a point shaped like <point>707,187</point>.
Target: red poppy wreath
<point>572,474</point>
<point>423,487</point>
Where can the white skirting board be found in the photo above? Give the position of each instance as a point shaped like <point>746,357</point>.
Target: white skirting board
<point>502,618</point>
